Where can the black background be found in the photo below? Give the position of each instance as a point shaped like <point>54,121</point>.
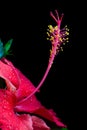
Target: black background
<point>27,24</point>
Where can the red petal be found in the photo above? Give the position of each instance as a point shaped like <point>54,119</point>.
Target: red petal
<point>39,124</point>
<point>26,120</point>
<point>28,106</point>
<point>21,122</point>
<point>9,120</point>
<point>13,75</point>
<point>50,115</point>
<point>25,86</point>
<point>32,105</point>
<point>8,72</point>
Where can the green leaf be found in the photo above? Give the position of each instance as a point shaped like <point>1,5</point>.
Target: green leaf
<point>7,46</point>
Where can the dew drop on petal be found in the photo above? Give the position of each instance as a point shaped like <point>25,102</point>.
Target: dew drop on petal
<point>5,107</point>
<point>9,127</point>
<point>10,113</point>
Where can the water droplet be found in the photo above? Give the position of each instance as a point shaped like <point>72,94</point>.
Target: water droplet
<point>10,113</point>
<point>9,127</point>
<point>10,77</point>
<point>5,102</point>
<point>4,106</point>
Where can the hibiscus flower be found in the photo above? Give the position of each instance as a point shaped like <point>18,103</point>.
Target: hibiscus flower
<point>19,107</point>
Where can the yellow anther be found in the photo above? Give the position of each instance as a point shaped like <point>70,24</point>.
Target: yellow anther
<point>67,33</point>
<point>60,39</point>
<point>61,48</point>
<point>50,27</point>
<point>56,27</point>
<point>48,34</point>
<point>67,38</point>
<point>52,38</point>
<point>64,43</point>
<point>67,29</point>
<point>51,52</point>
<point>51,30</point>
<point>48,38</point>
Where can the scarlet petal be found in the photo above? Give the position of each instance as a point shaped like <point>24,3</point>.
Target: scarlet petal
<point>12,75</point>
<point>9,120</point>
<point>25,86</point>
<point>39,124</point>
<point>32,105</point>
<point>8,72</point>
<point>50,115</point>
<point>26,120</point>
